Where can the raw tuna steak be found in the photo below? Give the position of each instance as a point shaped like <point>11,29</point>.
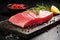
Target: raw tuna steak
<point>22,19</point>
<point>28,18</point>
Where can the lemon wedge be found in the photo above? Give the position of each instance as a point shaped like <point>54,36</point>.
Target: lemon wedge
<point>54,9</point>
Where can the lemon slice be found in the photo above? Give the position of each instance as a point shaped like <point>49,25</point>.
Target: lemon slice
<point>54,9</point>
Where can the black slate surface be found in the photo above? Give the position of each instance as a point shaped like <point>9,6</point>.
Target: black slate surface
<point>51,34</point>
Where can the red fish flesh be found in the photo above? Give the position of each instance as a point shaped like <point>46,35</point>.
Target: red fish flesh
<point>27,18</point>
<point>17,6</point>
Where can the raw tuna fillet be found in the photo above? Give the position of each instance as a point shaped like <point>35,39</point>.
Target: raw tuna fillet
<point>22,19</point>
<point>43,16</point>
<point>27,18</point>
